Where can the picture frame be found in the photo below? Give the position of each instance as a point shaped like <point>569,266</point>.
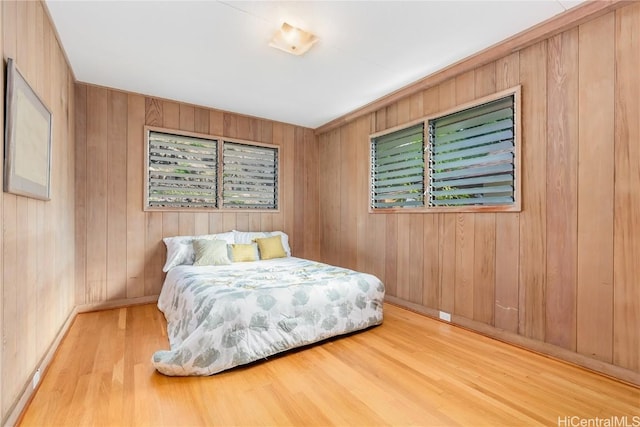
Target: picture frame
<point>28,134</point>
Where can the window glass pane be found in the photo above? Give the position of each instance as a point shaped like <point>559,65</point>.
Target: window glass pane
<point>397,169</point>
<point>182,171</point>
<point>250,176</point>
<point>471,156</point>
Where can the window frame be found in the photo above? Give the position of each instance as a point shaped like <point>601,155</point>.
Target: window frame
<point>516,206</point>
<point>220,171</point>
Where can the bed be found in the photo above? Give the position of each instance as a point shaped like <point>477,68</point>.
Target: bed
<point>233,313</point>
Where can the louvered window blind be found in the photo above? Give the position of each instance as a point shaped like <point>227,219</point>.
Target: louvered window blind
<point>182,171</point>
<point>471,156</point>
<point>250,176</point>
<point>397,169</point>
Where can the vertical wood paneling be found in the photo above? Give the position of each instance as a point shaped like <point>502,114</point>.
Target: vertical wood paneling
<point>447,223</point>
<point>348,208</point>
<point>484,268</point>
<point>562,203</point>
<point>311,207</point>
<point>153,112</point>
<point>506,312</point>
<point>416,258</point>
<point>465,224</point>
<point>329,198</point>
<point>11,378</point>
<point>416,226</point>
<point>364,223</point>
<point>404,245</point>
<point>626,303</point>
<point>300,209</point>
<point>547,273</point>
<point>391,224</point>
<point>81,193</point>
<point>154,256</point>
<point>135,216</point>
<point>286,186</point>
<point>117,103</point>
<point>37,265</point>
<point>595,188</point>
<point>154,253</point>
<point>431,283</point>
<point>484,272</point>
<point>533,71</point>
<point>2,321</point>
<point>97,181</point>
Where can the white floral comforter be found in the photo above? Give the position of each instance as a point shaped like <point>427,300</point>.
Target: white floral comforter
<point>223,316</point>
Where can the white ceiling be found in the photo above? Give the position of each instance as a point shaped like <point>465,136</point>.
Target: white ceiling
<point>216,53</point>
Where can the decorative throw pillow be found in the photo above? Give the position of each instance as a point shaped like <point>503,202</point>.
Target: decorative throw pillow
<point>179,252</point>
<point>210,252</point>
<point>180,249</point>
<point>242,252</point>
<point>250,236</point>
<point>271,247</point>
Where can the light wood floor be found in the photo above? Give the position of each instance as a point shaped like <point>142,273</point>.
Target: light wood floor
<point>411,370</point>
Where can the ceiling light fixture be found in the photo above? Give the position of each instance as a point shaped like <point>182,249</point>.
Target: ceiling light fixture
<point>292,40</point>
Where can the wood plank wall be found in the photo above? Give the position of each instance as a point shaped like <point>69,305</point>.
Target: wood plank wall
<point>564,272</point>
<point>119,249</point>
<point>36,244</point>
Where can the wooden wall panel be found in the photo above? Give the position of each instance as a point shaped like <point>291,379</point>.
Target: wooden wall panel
<point>135,242</point>
<point>533,217</point>
<point>403,229</point>
<point>560,276</point>
<point>447,253</point>
<point>562,203</point>
<point>506,310</point>
<point>465,224</point>
<point>626,303</point>
<point>121,249</point>
<point>348,236</point>
<point>2,320</point>
<point>117,112</point>
<point>96,173</point>
<point>431,223</point>
<point>37,265</point>
<point>595,188</point>
<point>484,267</point>
<point>81,193</point>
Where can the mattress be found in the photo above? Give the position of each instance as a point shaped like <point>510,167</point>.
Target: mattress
<point>219,317</point>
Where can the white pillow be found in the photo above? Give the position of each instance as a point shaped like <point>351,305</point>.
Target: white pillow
<point>180,249</point>
<point>248,236</point>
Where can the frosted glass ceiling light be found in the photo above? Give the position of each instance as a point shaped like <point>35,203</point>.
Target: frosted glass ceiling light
<point>292,40</point>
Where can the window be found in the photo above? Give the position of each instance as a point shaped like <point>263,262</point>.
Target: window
<point>471,156</point>
<point>250,178</point>
<point>397,172</point>
<point>184,171</point>
<point>471,161</point>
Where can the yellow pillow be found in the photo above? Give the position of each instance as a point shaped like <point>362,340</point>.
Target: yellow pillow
<point>271,247</point>
<point>242,252</point>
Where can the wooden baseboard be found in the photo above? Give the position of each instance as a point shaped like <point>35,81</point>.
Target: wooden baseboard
<point>119,303</point>
<point>549,350</point>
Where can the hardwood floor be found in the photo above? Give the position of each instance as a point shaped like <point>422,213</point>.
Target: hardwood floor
<point>412,370</point>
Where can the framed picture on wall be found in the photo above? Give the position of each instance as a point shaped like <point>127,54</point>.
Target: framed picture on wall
<point>27,150</point>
